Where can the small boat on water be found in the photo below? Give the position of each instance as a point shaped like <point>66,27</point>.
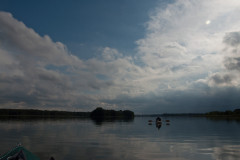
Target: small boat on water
<point>19,153</point>
<point>158,120</point>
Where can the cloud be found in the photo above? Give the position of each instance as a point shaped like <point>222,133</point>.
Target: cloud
<point>179,45</point>
<point>232,39</point>
<point>181,64</point>
<point>189,56</point>
<point>231,62</point>
<point>194,100</point>
<point>220,79</point>
<point>232,57</point>
<point>36,69</point>
<point>39,73</point>
<point>184,50</point>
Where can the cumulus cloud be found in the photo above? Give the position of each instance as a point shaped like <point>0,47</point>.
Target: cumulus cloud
<point>220,79</point>
<point>37,72</point>
<point>230,74</point>
<point>193,59</point>
<point>181,64</point>
<point>232,39</point>
<point>233,63</point>
<point>178,44</point>
<point>232,57</point>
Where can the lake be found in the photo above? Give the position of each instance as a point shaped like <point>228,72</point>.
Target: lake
<point>186,138</point>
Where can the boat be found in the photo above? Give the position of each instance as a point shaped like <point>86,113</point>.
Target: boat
<point>158,120</point>
<point>19,153</point>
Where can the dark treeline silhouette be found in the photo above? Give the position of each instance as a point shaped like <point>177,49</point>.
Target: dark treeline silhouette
<point>41,113</point>
<point>236,112</point>
<point>229,113</point>
<point>98,113</point>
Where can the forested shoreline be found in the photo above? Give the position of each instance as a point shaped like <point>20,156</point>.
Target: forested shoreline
<point>41,113</point>
<point>98,113</point>
<point>227,113</point>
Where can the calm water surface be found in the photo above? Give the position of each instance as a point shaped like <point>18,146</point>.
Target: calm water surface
<point>185,138</point>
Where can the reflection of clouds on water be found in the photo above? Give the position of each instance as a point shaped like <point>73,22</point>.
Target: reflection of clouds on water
<point>226,152</point>
<point>71,139</point>
<point>189,151</point>
<point>229,152</point>
<point>164,150</point>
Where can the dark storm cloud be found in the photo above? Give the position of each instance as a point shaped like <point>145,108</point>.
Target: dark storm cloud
<point>195,101</point>
<point>232,39</point>
<point>232,63</point>
<point>221,79</point>
<point>230,75</point>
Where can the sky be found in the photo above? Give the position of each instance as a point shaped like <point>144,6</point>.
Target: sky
<point>148,56</point>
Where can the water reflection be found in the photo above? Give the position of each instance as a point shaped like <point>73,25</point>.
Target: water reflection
<point>228,119</point>
<point>101,121</point>
<point>185,138</point>
<point>158,125</point>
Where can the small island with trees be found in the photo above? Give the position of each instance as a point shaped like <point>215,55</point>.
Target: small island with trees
<point>100,113</point>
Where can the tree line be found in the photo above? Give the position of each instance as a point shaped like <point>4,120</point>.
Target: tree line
<point>235,112</point>
<point>43,113</point>
<point>95,114</point>
<point>100,113</point>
